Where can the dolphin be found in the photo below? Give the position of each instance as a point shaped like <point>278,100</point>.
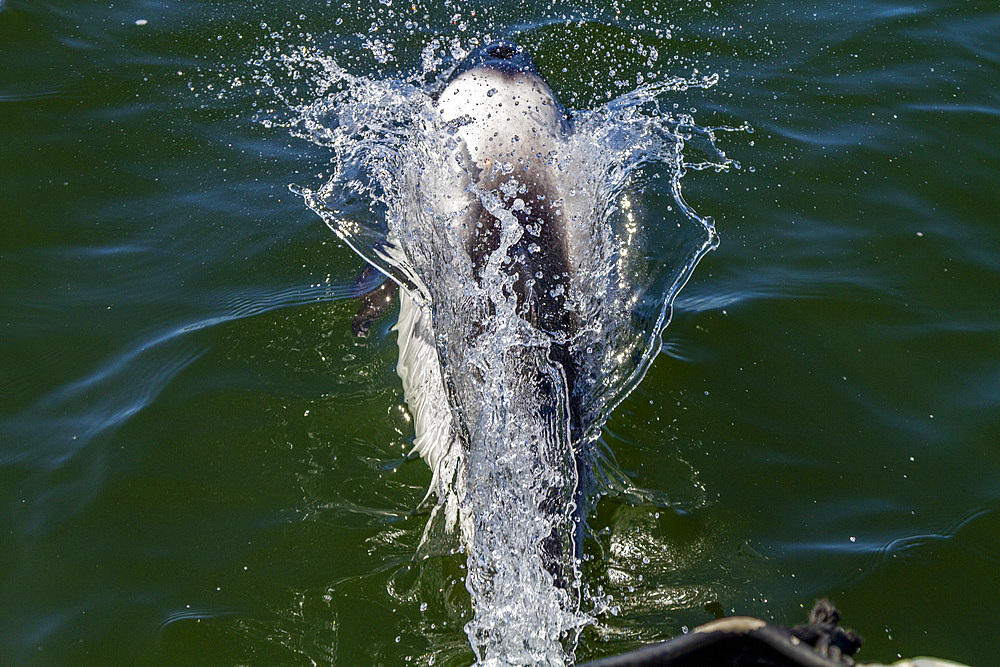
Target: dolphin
<point>528,307</point>
<point>511,225</point>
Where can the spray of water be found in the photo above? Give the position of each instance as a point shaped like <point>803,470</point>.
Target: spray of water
<point>395,196</point>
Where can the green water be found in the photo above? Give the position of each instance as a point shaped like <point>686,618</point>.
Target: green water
<point>200,465</point>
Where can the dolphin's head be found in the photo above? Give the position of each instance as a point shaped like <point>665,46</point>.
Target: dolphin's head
<point>507,111</point>
<point>500,56</point>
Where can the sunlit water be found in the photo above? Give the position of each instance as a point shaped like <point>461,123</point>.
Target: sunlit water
<point>391,198</point>
<point>200,464</point>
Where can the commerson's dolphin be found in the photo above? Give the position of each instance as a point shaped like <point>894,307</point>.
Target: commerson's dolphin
<point>531,302</point>
<point>503,225</point>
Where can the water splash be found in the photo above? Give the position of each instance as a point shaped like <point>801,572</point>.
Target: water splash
<point>527,432</point>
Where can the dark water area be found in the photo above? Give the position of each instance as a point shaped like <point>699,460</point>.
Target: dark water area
<point>199,463</point>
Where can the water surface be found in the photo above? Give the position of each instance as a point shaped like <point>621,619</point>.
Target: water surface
<point>199,463</point>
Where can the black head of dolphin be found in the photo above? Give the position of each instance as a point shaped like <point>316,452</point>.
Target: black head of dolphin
<point>507,58</point>
<point>501,56</point>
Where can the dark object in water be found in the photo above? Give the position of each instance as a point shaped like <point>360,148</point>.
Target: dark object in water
<point>375,302</point>
<point>741,641</point>
<point>824,634</point>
